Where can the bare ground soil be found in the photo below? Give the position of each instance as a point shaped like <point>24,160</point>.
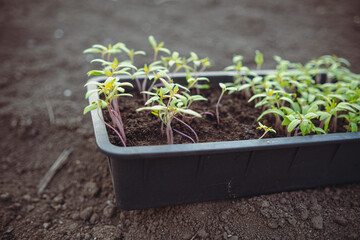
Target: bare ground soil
<point>42,64</point>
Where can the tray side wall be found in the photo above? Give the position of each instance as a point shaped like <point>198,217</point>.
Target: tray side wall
<point>155,182</point>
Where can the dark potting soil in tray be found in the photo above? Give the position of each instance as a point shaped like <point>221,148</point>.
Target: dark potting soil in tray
<point>237,121</point>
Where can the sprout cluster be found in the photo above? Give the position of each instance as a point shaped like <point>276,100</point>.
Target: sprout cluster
<point>301,99</point>
<point>306,98</point>
<point>167,100</point>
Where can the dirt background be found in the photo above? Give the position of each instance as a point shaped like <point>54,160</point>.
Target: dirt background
<point>41,61</point>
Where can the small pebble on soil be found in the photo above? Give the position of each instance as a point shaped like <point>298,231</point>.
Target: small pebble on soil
<point>109,211</point>
<point>317,222</point>
<point>91,189</point>
<point>86,213</point>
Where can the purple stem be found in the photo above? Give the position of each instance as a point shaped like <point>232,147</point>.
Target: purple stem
<point>117,133</point>
<point>116,109</point>
<point>116,121</point>
<point>169,133</point>
<point>116,117</point>
<point>151,86</point>
<point>138,84</point>
<point>144,87</point>
<point>207,113</point>
<point>158,85</point>
<point>183,134</point>
<point>136,80</point>
<point>217,108</point>
<point>197,139</point>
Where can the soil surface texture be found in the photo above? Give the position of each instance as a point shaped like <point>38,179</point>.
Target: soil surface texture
<point>237,118</point>
<point>43,72</point>
<point>237,121</point>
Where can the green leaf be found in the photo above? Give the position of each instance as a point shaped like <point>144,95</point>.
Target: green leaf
<point>152,99</point>
<point>198,98</point>
<point>126,66</point>
<point>153,108</point>
<point>326,125</point>
<point>353,127</point>
<point>203,86</point>
<point>229,68</point>
<point>92,83</point>
<point>355,105</point>
<point>243,86</point>
<point>293,124</point>
<point>123,72</point>
<point>152,41</point>
<point>99,46</point>
<point>272,130</point>
<point>311,115</point>
<point>167,85</point>
<point>261,103</point>
<point>203,79</point>
<point>138,73</point>
<point>95,72</point>
<point>313,108</point>
<point>305,128</point>
<point>149,93</point>
<point>259,58</point>
<point>165,50</point>
<point>125,84</point>
<point>89,93</point>
<point>286,121</point>
<point>296,107</point>
<point>338,96</point>
<point>323,115</point>
<point>345,106</point>
<point>273,111</point>
<point>100,61</point>
<point>190,80</point>
<point>257,96</point>
<point>194,56</point>
<point>140,53</point>
<point>90,108</point>
<point>92,50</point>
<point>124,95</point>
<point>287,100</point>
<point>288,110</point>
<point>319,130</point>
<point>190,112</point>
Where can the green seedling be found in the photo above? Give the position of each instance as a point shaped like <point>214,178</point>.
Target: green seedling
<point>98,48</point>
<point>111,89</point>
<point>174,63</point>
<point>353,121</point>
<point>289,92</point>
<point>151,72</point>
<point>332,107</point>
<point>284,65</point>
<point>259,59</point>
<point>245,81</point>
<point>293,94</point>
<point>170,104</point>
<point>157,48</point>
<point>112,68</point>
<point>224,88</point>
<point>294,120</point>
<point>198,66</point>
<point>131,54</point>
<point>266,129</point>
<point>271,100</point>
<point>193,82</point>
